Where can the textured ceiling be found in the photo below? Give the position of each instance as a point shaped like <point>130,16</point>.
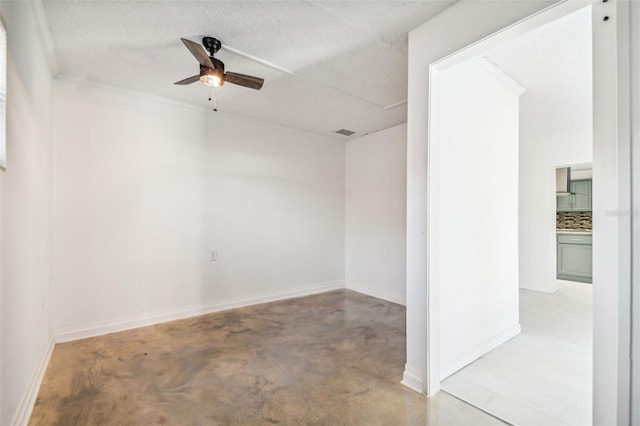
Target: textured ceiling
<point>327,64</point>
<point>554,63</point>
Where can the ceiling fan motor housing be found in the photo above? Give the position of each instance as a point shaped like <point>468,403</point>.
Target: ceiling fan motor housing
<point>217,65</point>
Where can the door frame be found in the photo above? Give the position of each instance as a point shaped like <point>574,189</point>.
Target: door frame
<point>612,184</point>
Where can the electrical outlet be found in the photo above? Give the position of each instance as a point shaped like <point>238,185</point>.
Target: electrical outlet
<point>213,256</point>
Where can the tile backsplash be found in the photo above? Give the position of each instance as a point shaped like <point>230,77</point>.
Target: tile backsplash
<point>573,220</point>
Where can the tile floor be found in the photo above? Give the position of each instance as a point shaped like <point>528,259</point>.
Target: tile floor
<point>543,376</point>
<point>329,359</point>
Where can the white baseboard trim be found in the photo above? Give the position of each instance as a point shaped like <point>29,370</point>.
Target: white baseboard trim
<point>74,333</point>
<point>412,378</point>
<point>475,353</point>
<point>541,289</point>
<point>379,294</point>
<point>28,400</point>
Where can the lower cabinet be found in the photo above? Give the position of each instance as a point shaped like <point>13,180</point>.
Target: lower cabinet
<point>574,258</point>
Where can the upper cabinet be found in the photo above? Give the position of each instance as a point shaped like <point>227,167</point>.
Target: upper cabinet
<point>581,190</point>
<point>580,198</point>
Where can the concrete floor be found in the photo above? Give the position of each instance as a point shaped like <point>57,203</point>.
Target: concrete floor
<point>329,359</point>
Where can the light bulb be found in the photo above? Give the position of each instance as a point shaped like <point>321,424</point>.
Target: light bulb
<point>211,80</point>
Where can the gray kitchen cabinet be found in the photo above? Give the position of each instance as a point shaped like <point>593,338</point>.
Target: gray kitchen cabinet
<point>574,262</point>
<point>563,203</point>
<point>580,198</point>
<point>581,190</point>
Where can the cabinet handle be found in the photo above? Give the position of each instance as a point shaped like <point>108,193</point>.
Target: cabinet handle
<point>576,239</point>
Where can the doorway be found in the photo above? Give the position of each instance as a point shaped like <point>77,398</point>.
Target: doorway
<point>520,108</point>
<point>610,255</point>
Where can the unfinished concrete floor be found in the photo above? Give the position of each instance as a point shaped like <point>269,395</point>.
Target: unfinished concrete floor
<point>330,359</point>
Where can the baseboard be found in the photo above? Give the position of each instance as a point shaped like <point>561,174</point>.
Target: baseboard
<point>574,280</point>
<point>28,400</point>
<point>74,333</point>
<point>475,353</point>
<point>379,294</point>
<point>549,290</point>
<point>412,378</point>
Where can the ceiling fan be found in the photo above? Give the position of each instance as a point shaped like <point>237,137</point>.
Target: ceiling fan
<point>212,70</point>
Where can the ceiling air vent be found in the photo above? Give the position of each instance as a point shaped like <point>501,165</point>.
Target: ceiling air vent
<point>345,132</point>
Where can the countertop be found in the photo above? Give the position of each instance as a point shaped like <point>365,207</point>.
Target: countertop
<point>574,231</point>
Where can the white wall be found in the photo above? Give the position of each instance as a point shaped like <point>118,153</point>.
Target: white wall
<point>474,225</point>
<point>553,133</point>
<point>455,28</point>
<point>144,190</point>
<point>25,231</point>
<point>375,214</point>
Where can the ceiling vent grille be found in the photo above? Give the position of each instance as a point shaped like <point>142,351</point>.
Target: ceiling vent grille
<point>345,132</point>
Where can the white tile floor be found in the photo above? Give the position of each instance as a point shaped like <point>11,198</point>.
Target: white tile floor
<point>543,375</point>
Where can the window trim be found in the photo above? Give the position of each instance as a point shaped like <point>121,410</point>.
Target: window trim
<point>4,61</point>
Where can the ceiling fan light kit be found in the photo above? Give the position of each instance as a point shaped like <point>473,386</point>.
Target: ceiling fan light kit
<point>212,72</point>
<point>211,78</point>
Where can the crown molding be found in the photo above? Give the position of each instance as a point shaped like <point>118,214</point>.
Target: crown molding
<point>499,75</point>
<point>80,83</point>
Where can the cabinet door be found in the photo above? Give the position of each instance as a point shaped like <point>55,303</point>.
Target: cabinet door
<point>581,195</point>
<point>574,262</point>
<point>563,203</point>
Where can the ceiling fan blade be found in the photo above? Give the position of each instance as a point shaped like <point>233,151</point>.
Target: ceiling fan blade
<point>199,53</point>
<point>188,80</point>
<point>244,80</point>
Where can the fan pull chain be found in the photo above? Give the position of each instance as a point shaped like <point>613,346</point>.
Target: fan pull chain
<point>215,99</point>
